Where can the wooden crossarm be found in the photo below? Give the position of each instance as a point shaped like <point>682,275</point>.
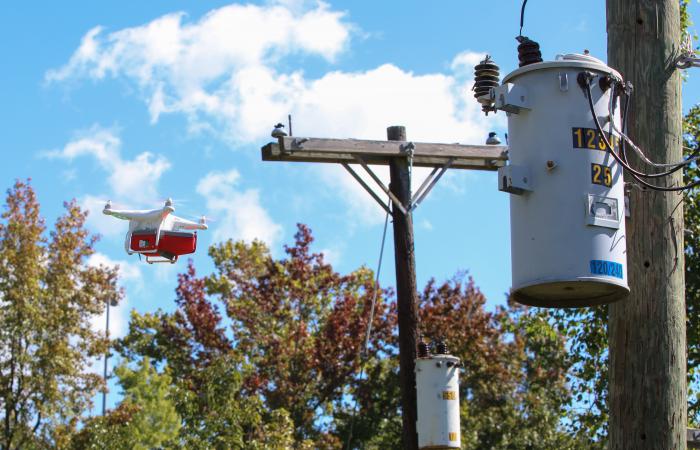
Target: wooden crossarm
<point>475,157</point>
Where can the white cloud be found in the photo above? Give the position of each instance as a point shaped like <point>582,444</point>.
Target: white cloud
<point>105,225</point>
<point>128,271</point>
<point>222,73</point>
<point>240,213</point>
<point>130,277</point>
<point>362,209</point>
<point>463,64</point>
<point>133,180</point>
<point>426,225</point>
<point>363,104</point>
<point>332,255</point>
<point>227,74</point>
<point>176,62</point>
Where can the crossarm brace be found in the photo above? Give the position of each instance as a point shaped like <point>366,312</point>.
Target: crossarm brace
<point>422,192</point>
<point>382,186</point>
<point>367,188</point>
<point>428,184</point>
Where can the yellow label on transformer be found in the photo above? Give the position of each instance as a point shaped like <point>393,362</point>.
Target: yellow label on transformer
<point>452,436</point>
<point>449,395</point>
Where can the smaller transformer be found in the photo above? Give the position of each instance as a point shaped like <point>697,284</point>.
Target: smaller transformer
<point>437,385</point>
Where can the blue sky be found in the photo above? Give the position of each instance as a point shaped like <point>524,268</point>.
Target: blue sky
<point>139,101</point>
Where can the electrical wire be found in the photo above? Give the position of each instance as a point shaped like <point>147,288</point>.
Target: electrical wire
<point>634,173</point>
<point>363,354</point>
<point>676,166</point>
<point>522,17</point>
<point>623,153</point>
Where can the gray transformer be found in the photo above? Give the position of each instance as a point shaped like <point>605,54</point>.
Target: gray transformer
<point>567,203</point>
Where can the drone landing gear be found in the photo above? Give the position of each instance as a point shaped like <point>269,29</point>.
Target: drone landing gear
<point>163,257</point>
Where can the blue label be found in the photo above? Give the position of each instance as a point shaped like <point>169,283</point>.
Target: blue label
<point>608,268</point>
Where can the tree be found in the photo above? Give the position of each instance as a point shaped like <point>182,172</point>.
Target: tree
<point>296,334</point>
<point>48,295</point>
<point>513,389</point>
<point>145,419</point>
<point>208,377</point>
<point>692,267</point>
<point>291,363</point>
<point>111,431</point>
<point>156,421</point>
<point>300,325</point>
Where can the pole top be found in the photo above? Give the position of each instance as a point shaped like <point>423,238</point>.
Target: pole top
<point>396,133</point>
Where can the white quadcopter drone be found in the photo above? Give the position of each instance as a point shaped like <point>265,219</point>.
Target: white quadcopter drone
<point>158,234</point>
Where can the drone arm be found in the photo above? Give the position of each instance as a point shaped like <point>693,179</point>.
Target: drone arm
<point>184,224</point>
<point>125,214</point>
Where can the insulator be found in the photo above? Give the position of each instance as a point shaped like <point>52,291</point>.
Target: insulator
<point>528,51</point>
<point>493,139</point>
<point>486,76</point>
<point>441,348</point>
<point>423,350</point>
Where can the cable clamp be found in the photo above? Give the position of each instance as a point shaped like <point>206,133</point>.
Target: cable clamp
<point>687,58</point>
<point>298,143</point>
<point>409,148</point>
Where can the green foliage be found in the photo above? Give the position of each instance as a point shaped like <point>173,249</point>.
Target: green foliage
<point>513,388</point>
<point>686,22</point>
<point>691,125</point>
<point>287,373</point>
<point>156,421</point>
<point>113,430</point>
<point>208,390</point>
<point>586,332</point>
<point>47,298</point>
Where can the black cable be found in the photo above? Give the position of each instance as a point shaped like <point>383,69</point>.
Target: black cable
<point>625,111</point>
<point>622,162</point>
<point>692,157</point>
<point>522,17</point>
<point>623,153</point>
<point>630,170</point>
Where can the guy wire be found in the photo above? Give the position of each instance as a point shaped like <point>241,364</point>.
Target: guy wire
<point>363,354</point>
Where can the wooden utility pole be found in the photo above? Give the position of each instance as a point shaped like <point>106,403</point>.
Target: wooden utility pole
<point>400,155</point>
<point>647,331</point>
<point>406,289</point>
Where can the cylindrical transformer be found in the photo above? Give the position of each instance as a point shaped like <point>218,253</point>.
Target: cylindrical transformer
<point>567,207</point>
<point>437,386</point>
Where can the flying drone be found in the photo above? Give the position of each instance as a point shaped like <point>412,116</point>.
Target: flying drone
<point>158,234</point>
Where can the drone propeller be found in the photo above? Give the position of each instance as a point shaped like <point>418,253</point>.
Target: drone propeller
<point>168,201</point>
<point>201,218</point>
<point>107,201</point>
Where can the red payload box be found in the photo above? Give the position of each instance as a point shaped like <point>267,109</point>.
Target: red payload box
<point>170,243</point>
